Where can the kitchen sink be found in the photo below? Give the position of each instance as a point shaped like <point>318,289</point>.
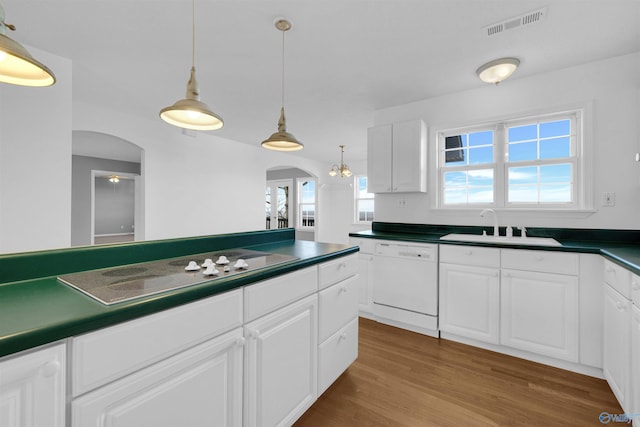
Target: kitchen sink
<point>504,240</point>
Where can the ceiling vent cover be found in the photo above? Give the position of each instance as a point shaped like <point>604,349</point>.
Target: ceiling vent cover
<point>526,19</point>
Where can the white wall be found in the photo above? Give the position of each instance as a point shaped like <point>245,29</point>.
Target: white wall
<point>613,88</point>
<point>35,161</point>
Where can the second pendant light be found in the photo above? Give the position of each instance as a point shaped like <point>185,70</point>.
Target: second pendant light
<point>282,140</point>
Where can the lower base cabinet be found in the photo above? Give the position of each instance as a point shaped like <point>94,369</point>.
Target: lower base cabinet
<point>539,313</point>
<point>281,364</point>
<point>32,389</point>
<point>635,364</point>
<point>205,382</point>
<point>617,351</point>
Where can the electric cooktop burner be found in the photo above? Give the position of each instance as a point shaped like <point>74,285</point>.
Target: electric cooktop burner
<point>118,284</point>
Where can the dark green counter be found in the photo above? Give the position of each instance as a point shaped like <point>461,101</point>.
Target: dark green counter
<point>36,309</point>
<point>619,246</point>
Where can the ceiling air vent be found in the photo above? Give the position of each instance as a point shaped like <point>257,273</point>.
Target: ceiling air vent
<point>517,22</point>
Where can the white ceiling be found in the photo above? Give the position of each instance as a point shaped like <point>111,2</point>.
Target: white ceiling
<point>344,58</point>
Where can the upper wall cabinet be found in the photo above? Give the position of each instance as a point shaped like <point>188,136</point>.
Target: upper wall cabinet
<point>397,158</point>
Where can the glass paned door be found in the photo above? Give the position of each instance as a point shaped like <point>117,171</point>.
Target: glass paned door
<point>277,200</point>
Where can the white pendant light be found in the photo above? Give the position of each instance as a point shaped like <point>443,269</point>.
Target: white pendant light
<point>17,66</point>
<point>191,113</point>
<point>343,169</point>
<point>282,140</point>
<point>497,70</point>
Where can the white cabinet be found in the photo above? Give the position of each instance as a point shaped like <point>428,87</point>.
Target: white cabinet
<point>365,275</point>
<point>635,364</point>
<point>470,294</point>
<point>539,302</point>
<point>617,348</point>
<point>338,330</point>
<point>397,158</point>
<point>200,386</point>
<point>281,364</point>
<point>32,388</point>
<point>539,313</point>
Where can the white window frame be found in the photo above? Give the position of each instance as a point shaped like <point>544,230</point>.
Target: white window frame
<point>356,199</point>
<point>300,204</point>
<point>581,159</point>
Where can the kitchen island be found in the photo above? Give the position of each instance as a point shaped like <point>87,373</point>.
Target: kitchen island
<point>256,347</point>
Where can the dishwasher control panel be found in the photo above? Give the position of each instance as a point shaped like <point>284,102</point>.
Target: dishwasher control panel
<point>418,252</point>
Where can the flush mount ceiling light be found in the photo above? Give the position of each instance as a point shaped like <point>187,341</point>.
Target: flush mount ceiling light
<point>343,169</point>
<point>17,66</point>
<point>191,113</point>
<point>497,70</point>
<point>282,140</point>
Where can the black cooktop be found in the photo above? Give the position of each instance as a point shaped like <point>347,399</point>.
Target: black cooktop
<point>118,284</point>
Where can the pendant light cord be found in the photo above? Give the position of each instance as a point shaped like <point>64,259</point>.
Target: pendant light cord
<point>193,33</point>
<point>282,83</point>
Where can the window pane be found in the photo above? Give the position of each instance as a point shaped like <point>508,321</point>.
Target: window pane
<point>555,174</point>
<point>523,133</point>
<point>523,151</point>
<point>557,128</point>
<point>481,138</point>
<point>526,175</point>
<point>455,196</point>
<point>483,177</point>
<point>455,179</point>
<point>365,210</point>
<point>362,188</point>
<point>523,194</point>
<point>481,155</point>
<point>555,193</point>
<point>481,195</point>
<point>555,148</point>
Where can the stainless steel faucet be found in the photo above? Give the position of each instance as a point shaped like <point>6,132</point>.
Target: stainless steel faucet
<point>496,227</point>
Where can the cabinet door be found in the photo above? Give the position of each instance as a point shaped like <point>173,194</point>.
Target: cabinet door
<point>539,313</point>
<point>32,389</point>
<point>635,364</point>
<point>379,152</point>
<point>198,387</point>
<point>409,156</point>
<point>469,301</point>
<point>365,284</point>
<point>616,354</point>
<point>281,364</point>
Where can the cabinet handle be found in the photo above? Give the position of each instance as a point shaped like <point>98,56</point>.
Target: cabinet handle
<point>240,342</point>
<point>342,265</point>
<point>539,257</point>
<point>51,368</point>
<point>635,285</point>
<point>469,252</point>
<point>343,336</point>
<point>255,334</point>
<point>343,289</point>
<point>620,305</point>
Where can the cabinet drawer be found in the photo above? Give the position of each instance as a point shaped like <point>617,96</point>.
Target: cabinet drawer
<point>470,255</point>
<point>336,354</point>
<point>105,355</point>
<point>542,261</point>
<point>619,278</point>
<point>264,297</point>
<point>338,305</point>
<point>336,270</point>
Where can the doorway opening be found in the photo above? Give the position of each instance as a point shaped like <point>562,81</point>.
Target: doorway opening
<point>277,204</point>
<point>113,206</point>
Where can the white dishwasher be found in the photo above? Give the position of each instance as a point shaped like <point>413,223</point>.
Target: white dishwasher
<point>405,285</point>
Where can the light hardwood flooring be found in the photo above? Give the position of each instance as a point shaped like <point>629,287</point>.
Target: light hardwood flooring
<point>406,379</point>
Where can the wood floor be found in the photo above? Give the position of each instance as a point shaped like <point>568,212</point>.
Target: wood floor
<point>406,379</point>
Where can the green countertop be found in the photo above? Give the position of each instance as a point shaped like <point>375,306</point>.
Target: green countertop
<point>619,246</point>
<point>37,311</point>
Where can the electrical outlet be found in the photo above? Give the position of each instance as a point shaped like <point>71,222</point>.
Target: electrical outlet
<point>402,203</point>
<point>608,199</point>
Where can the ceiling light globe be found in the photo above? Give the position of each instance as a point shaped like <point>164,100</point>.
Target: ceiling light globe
<point>497,70</point>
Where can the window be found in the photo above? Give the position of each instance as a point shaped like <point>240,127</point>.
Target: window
<point>364,201</point>
<point>306,203</point>
<point>533,162</point>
